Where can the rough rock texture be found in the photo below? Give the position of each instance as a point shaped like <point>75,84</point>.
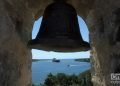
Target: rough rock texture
<point>104,26</point>
<point>15,58</point>
<point>16,21</point>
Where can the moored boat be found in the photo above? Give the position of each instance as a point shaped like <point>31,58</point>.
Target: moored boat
<point>55,60</point>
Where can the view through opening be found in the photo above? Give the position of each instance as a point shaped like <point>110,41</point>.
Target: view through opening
<point>67,63</point>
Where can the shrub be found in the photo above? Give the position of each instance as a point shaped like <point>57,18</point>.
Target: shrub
<point>61,79</point>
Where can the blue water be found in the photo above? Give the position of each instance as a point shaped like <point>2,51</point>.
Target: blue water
<point>41,69</point>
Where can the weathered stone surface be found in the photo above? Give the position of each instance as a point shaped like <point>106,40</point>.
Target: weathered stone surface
<point>15,58</point>
<point>16,20</point>
<point>105,47</point>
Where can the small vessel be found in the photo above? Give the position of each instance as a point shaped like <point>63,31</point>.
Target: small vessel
<point>55,60</point>
<point>68,65</point>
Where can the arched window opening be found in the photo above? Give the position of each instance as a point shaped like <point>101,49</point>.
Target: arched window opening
<point>67,63</point>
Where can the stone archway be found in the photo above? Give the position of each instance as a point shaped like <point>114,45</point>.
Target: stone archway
<point>17,17</point>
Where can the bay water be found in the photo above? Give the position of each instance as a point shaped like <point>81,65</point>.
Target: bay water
<point>40,69</point>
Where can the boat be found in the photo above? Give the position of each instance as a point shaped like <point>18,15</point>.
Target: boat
<point>68,65</point>
<point>55,60</point>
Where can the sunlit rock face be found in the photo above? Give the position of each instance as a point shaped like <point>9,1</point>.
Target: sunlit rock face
<point>16,21</point>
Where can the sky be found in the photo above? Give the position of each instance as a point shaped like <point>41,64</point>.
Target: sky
<point>39,54</point>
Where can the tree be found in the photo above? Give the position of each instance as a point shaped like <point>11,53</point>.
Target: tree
<point>61,79</point>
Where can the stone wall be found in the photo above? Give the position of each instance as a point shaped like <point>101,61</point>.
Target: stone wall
<point>15,29</point>
<point>16,21</point>
<point>104,26</point>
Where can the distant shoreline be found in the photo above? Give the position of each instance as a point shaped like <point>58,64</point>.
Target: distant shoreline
<point>79,60</point>
<point>83,60</point>
<point>34,60</point>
